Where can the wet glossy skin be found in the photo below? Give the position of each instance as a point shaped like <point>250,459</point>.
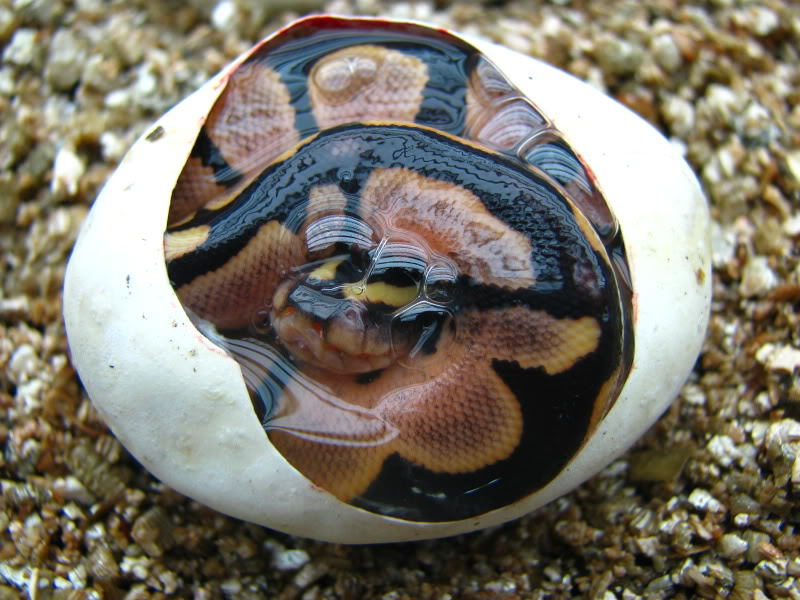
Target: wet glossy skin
<point>430,326</point>
<point>429,436</point>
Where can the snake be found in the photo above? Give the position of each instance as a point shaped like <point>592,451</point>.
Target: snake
<point>418,275</point>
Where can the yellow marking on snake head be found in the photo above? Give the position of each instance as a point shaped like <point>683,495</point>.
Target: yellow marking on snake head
<point>327,270</point>
<point>382,292</point>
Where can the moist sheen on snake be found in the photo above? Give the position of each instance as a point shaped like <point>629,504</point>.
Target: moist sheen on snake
<point>426,292</point>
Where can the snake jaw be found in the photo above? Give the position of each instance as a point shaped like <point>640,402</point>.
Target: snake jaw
<point>340,346</point>
<point>338,332</point>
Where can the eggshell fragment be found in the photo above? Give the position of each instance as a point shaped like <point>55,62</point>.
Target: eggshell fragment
<point>179,403</point>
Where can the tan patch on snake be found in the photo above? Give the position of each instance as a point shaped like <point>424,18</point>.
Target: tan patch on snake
<point>180,243</point>
<point>366,82</point>
<point>231,296</point>
<point>560,343</point>
<point>454,222</point>
<point>325,219</point>
<point>343,473</point>
<point>325,199</point>
<point>496,113</point>
<point>251,123</point>
<point>606,397</point>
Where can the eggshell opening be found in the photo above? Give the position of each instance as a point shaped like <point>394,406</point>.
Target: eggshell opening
<point>179,403</point>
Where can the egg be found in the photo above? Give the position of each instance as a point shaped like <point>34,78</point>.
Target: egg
<point>377,282</point>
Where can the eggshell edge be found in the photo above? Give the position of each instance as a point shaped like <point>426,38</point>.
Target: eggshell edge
<point>179,403</point>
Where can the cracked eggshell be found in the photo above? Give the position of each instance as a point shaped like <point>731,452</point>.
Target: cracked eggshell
<point>179,403</point>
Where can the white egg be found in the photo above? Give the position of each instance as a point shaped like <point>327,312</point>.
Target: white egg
<point>179,401</point>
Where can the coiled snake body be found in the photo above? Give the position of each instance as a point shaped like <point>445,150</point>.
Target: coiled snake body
<point>422,284</point>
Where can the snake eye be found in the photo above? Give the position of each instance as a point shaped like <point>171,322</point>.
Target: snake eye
<point>440,283</point>
<point>377,282</point>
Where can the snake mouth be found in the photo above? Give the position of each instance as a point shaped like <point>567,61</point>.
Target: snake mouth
<point>342,343</point>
